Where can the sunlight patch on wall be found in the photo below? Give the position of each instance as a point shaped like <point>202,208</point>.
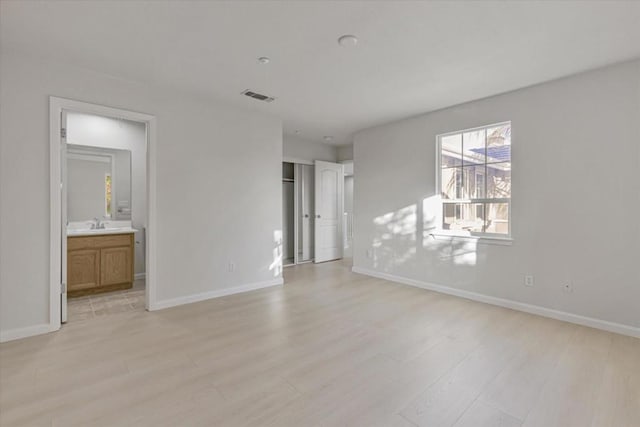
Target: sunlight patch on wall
<point>276,265</point>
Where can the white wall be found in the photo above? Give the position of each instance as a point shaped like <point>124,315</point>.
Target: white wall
<point>345,152</point>
<point>296,148</point>
<point>208,158</point>
<point>105,132</point>
<point>348,210</point>
<point>576,197</point>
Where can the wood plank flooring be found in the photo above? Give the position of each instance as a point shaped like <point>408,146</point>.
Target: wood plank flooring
<point>330,348</point>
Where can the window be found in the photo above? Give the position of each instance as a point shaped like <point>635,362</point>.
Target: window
<point>107,195</point>
<point>475,180</point>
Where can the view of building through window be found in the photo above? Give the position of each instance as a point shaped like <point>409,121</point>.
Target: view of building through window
<point>475,180</point>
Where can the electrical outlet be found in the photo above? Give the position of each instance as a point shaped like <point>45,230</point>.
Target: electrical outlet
<point>231,267</point>
<point>528,280</point>
<point>370,253</point>
<point>567,287</point>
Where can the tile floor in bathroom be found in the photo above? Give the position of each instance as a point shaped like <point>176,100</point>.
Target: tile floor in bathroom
<point>90,306</point>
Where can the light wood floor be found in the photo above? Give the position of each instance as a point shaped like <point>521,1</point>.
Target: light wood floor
<point>330,348</point>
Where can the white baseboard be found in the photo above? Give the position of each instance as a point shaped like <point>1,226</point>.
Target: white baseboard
<point>139,276</point>
<point>617,328</point>
<point>29,331</point>
<point>159,305</point>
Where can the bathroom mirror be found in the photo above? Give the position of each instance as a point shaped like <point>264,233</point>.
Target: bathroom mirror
<point>98,183</point>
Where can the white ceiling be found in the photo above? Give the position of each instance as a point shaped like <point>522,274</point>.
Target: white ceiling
<point>412,57</point>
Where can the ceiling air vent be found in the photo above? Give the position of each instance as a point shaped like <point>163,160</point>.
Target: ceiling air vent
<point>258,96</point>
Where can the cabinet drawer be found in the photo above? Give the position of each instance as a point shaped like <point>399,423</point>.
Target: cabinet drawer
<point>93,242</point>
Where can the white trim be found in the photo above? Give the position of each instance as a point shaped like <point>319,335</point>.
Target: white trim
<point>56,106</point>
<point>591,322</point>
<point>438,189</point>
<point>487,239</point>
<point>139,276</point>
<point>188,299</point>
<point>296,160</point>
<point>29,331</point>
<point>100,158</point>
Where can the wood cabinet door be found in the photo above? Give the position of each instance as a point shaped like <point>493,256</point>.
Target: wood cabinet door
<point>116,266</point>
<point>83,269</point>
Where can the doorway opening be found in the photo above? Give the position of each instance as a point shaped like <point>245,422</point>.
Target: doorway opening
<point>104,175</point>
<point>312,216</point>
<point>102,213</point>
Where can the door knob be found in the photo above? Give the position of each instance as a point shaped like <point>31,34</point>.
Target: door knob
<point>306,215</point>
<point>317,216</point>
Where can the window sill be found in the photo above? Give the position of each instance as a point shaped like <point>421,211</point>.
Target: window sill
<point>486,240</point>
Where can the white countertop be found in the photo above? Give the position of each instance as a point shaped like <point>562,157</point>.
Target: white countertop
<point>83,228</point>
<point>100,231</point>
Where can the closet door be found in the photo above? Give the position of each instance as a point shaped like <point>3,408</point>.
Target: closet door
<point>288,214</point>
<point>305,212</point>
<point>329,182</point>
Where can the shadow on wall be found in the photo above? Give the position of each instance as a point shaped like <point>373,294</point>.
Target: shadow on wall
<point>405,236</point>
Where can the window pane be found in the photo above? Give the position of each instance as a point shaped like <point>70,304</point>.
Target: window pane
<point>499,144</point>
<point>451,150</point>
<point>448,215</point>
<point>497,218</point>
<point>463,217</point>
<point>473,145</point>
<point>479,183</point>
<point>473,183</point>
<point>452,183</point>
<point>498,180</point>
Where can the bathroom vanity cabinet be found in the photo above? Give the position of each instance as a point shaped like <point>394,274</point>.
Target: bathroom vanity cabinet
<point>99,263</point>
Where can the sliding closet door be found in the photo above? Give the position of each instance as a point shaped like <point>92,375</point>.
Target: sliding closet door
<point>305,212</point>
<point>329,182</point>
<point>288,214</point>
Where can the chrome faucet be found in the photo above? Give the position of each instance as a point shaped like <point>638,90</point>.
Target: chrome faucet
<point>97,224</point>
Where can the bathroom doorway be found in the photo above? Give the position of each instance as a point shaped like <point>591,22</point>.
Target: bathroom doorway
<point>101,218</point>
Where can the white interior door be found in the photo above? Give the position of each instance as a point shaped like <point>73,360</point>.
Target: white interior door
<point>63,218</point>
<point>329,182</point>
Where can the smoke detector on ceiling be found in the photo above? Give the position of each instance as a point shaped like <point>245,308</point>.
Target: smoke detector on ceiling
<point>258,96</point>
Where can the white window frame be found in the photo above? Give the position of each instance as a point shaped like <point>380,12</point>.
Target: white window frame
<point>439,231</point>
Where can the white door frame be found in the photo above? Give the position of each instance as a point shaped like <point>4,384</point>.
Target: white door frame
<point>56,106</point>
